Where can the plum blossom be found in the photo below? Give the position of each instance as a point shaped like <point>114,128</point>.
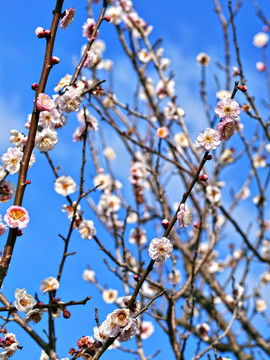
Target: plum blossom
<point>129,330</point>
<point>65,185</point>
<point>144,56</point>
<point>44,103</point>
<point>87,229</point>
<point>7,190</point>
<point>160,249</point>
<point>164,89</point>
<point>184,216</point>
<point>3,228</point>
<point>50,119</point>
<point>260,66</point>
<point>109,296</point>
<point>147,329</point>
<point>109,153</point>
<point>226,128</point>
<point>260,39</point>
<point>67,18</point>
<point>202,330</point>
<point>49,284</point>
<point>89,28</point>
<point>162,132</point>
<point>65,81</point>
<point>124,301</point>
<point>103,181</point>
<point>223,94</point>
<point>208,140</point>
<point>259,161</point>
<point>70,101</point>
<point>24,302</point>
<point>16,216</point>
<point>16,138</point>
<point>10,346</point>
<point>260,305</point>
<point>70,209</point>
<point>46,140</point>
<point>203,59</point>
<point>89,275</point>
<point>115,14</point>
<point>34,315</point>
<point>11,160</point>
<point>137,236</point>
<point>109,203</point>
<point>213,194</point>
<point>181,140</point>
<point>228,108</point>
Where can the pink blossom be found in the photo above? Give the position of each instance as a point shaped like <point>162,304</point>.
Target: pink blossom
<point>89,28</point>
<point>228,108</point>
<point>7,190</point>
<point>226,128</point>
<point>208,140</point>
<point>184,216</point>
<point>67,18</point>
<point>3,229</point>
<point>260,66</point>
<point>16,216</point>
<point>147,329</point>
<point>44,102</point>
<point>160,249</point>
<point>162,132</point>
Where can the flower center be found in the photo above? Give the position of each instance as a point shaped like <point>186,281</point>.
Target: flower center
<point>208,138</point>
<point>16,214</point>
<point>227,110</point>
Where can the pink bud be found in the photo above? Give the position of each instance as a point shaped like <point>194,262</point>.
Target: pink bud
<point>100,170</point>
<point>136,277</point>
<point>203,177</point>
<point>28,182</point>
<point>34,86</point>
<point>19,232</point>
<point>209,157</point>
<point>260,66</point>
<point>107,18</point>
<point>55,60</point>
<point>66,314</point>
<point>165,223</point>
<point>242,88</point>
<point>47,34</point>
<point>196,225</point>
<point>265,28</point>
<point>40,32</point>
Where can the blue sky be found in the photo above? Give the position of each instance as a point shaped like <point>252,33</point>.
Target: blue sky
<point>187,28</point>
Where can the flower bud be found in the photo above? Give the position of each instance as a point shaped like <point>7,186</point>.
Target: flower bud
<point>242,88</point>
<point>47,34</point>
<point>197,225</point>
<point>34,86</point>
<point>107,18</point>
<point>55,60</point>
<point>260,66</point>
<point>165,223</point>
<point>209,157</point>
<point>203,177</point>
<point>28,182</point>
<point>19,232</point>
<point>40,32</point>
<point>136,277</point>
<point>66,313</point>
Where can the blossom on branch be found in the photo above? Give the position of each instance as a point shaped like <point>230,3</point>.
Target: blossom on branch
<point>160,249</point>
<point>65,185</point>
<point>44,103</point>
<point>67,18</point>
<point>208,140</point>
<point>184,216</point>
<point>11,160</point>
<point>16,217</point>
<point>24,302</point>
<point>49,284</point>
<point>228,108</point>
<point>87,229</point>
